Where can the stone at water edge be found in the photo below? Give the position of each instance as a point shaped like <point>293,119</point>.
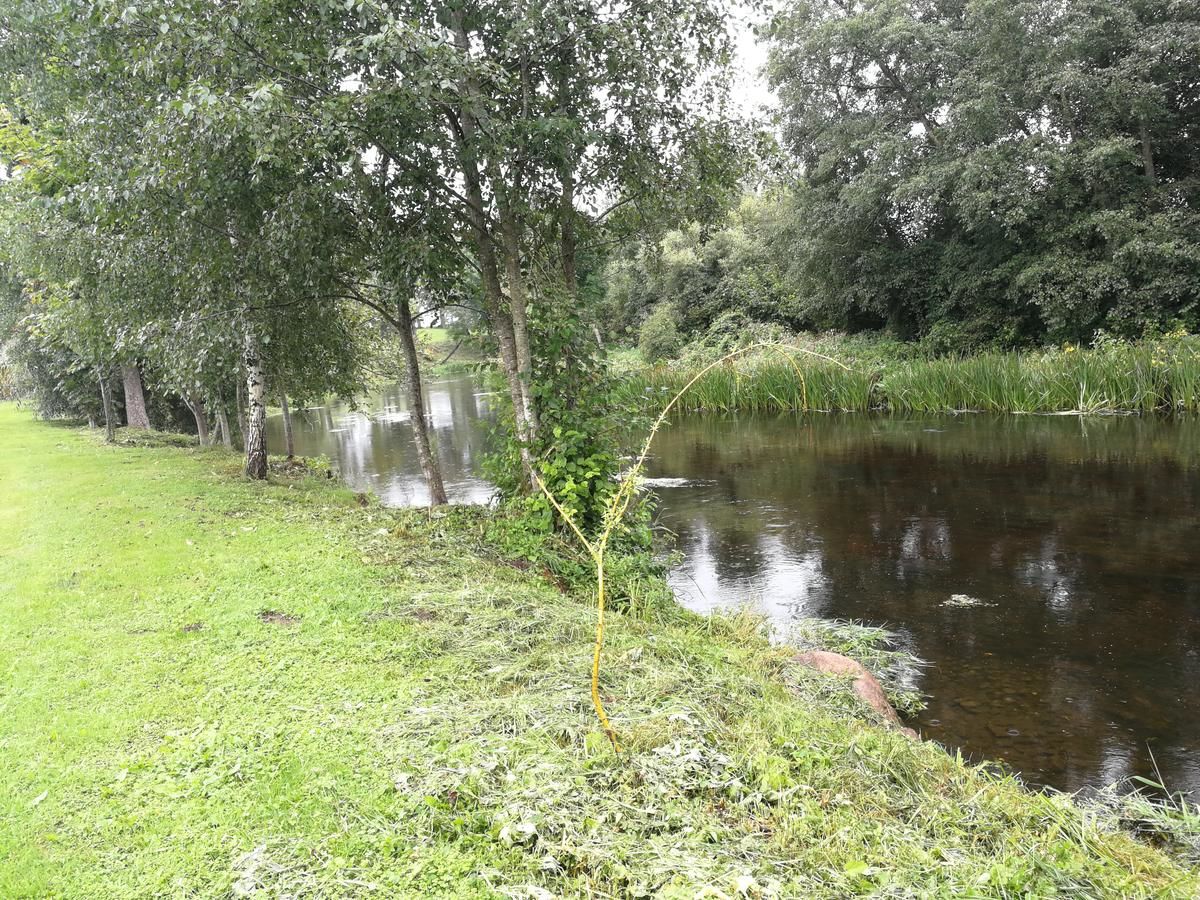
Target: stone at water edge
<point>866,685</point>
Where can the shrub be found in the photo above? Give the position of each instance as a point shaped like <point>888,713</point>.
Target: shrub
<point>8,382</point>
<point>659,337</point>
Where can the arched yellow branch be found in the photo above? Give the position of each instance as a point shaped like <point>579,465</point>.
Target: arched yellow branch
<point>619,500</point>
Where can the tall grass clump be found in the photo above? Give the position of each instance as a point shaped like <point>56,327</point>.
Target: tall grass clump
<point>756,384</point>
<point>1153,375</point>
<point>8,382</point>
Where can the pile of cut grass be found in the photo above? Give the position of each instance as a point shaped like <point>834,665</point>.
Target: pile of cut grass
<point>218,687</point>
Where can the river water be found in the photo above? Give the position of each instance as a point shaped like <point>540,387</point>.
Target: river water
<point>1045,567</point>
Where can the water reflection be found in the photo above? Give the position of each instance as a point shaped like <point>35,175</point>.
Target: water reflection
<point>1045,566</point>
<point>373,447</point>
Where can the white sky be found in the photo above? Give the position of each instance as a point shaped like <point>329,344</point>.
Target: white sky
<point>750,89</point>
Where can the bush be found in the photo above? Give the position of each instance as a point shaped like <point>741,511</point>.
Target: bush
<point>8,382</point>
<point>659,337</point>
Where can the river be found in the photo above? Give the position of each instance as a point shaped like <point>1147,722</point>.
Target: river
<point>1044,566</point>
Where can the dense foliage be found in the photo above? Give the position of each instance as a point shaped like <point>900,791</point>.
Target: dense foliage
<point>973,172</point>
<point>223,194</point>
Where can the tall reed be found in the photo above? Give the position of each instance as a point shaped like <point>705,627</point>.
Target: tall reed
<point>1148,376</point>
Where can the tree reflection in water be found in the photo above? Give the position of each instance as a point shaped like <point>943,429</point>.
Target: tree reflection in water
<point>1076,536</point>
<point>373,447</point>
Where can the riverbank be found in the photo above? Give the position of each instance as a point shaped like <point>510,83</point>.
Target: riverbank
<point>1158,375</point>
<point>222,686</point>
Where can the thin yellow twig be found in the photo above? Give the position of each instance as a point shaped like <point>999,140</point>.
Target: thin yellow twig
<point>619,501</point>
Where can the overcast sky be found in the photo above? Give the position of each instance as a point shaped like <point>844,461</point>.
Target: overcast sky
<point>750,87</point>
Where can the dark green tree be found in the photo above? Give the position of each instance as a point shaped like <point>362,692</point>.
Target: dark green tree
<point>992,172</point>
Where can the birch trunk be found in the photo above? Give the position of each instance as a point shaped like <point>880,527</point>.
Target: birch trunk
<point>416,404</point>
<point>241,409</point>
<point>256,418</point>
<point>135,398</point>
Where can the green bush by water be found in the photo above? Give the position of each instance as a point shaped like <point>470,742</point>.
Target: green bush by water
<point>8,382</point>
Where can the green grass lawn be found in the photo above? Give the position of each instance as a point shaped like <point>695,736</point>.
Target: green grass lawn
<point>439,345</point>
<point>211,687</point>
<point>435,335</point>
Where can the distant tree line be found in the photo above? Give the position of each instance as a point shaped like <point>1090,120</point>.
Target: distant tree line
<point>971,172</point>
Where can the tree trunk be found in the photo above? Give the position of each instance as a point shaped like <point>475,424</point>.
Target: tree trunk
<point>288,439</point>
<point>135,398</point>
<point>223,426</point>
<point>494,306</point>
<point>510,234</point>
<point>1147,151</point>
<point>218,433</point>
<point>241,409</point>
<point>197,409</point>
<point>416,404</point>
<point>502,327</point>
<point>566,227</point>
<point>110,432</point>
<point>256,419</point>
<point>500,318</point>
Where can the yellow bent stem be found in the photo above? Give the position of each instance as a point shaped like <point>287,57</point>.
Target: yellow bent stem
<point>619,501</point>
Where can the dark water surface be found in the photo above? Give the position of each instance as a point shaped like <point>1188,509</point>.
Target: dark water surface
<point>1048,568</point>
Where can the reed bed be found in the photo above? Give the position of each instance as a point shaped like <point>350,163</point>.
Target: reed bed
<point>759,385</point>
<point>1161,375</point>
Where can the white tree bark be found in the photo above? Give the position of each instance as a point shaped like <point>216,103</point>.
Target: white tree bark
<point>241,408</point>
<point>416,404</point>
<point>256,417</point>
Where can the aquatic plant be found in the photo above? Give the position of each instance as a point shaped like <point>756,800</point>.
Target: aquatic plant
<point>1162,374</point>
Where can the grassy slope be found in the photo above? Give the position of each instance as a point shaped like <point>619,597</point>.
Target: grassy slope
<point>424,727</point>
<point>437,343</point>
